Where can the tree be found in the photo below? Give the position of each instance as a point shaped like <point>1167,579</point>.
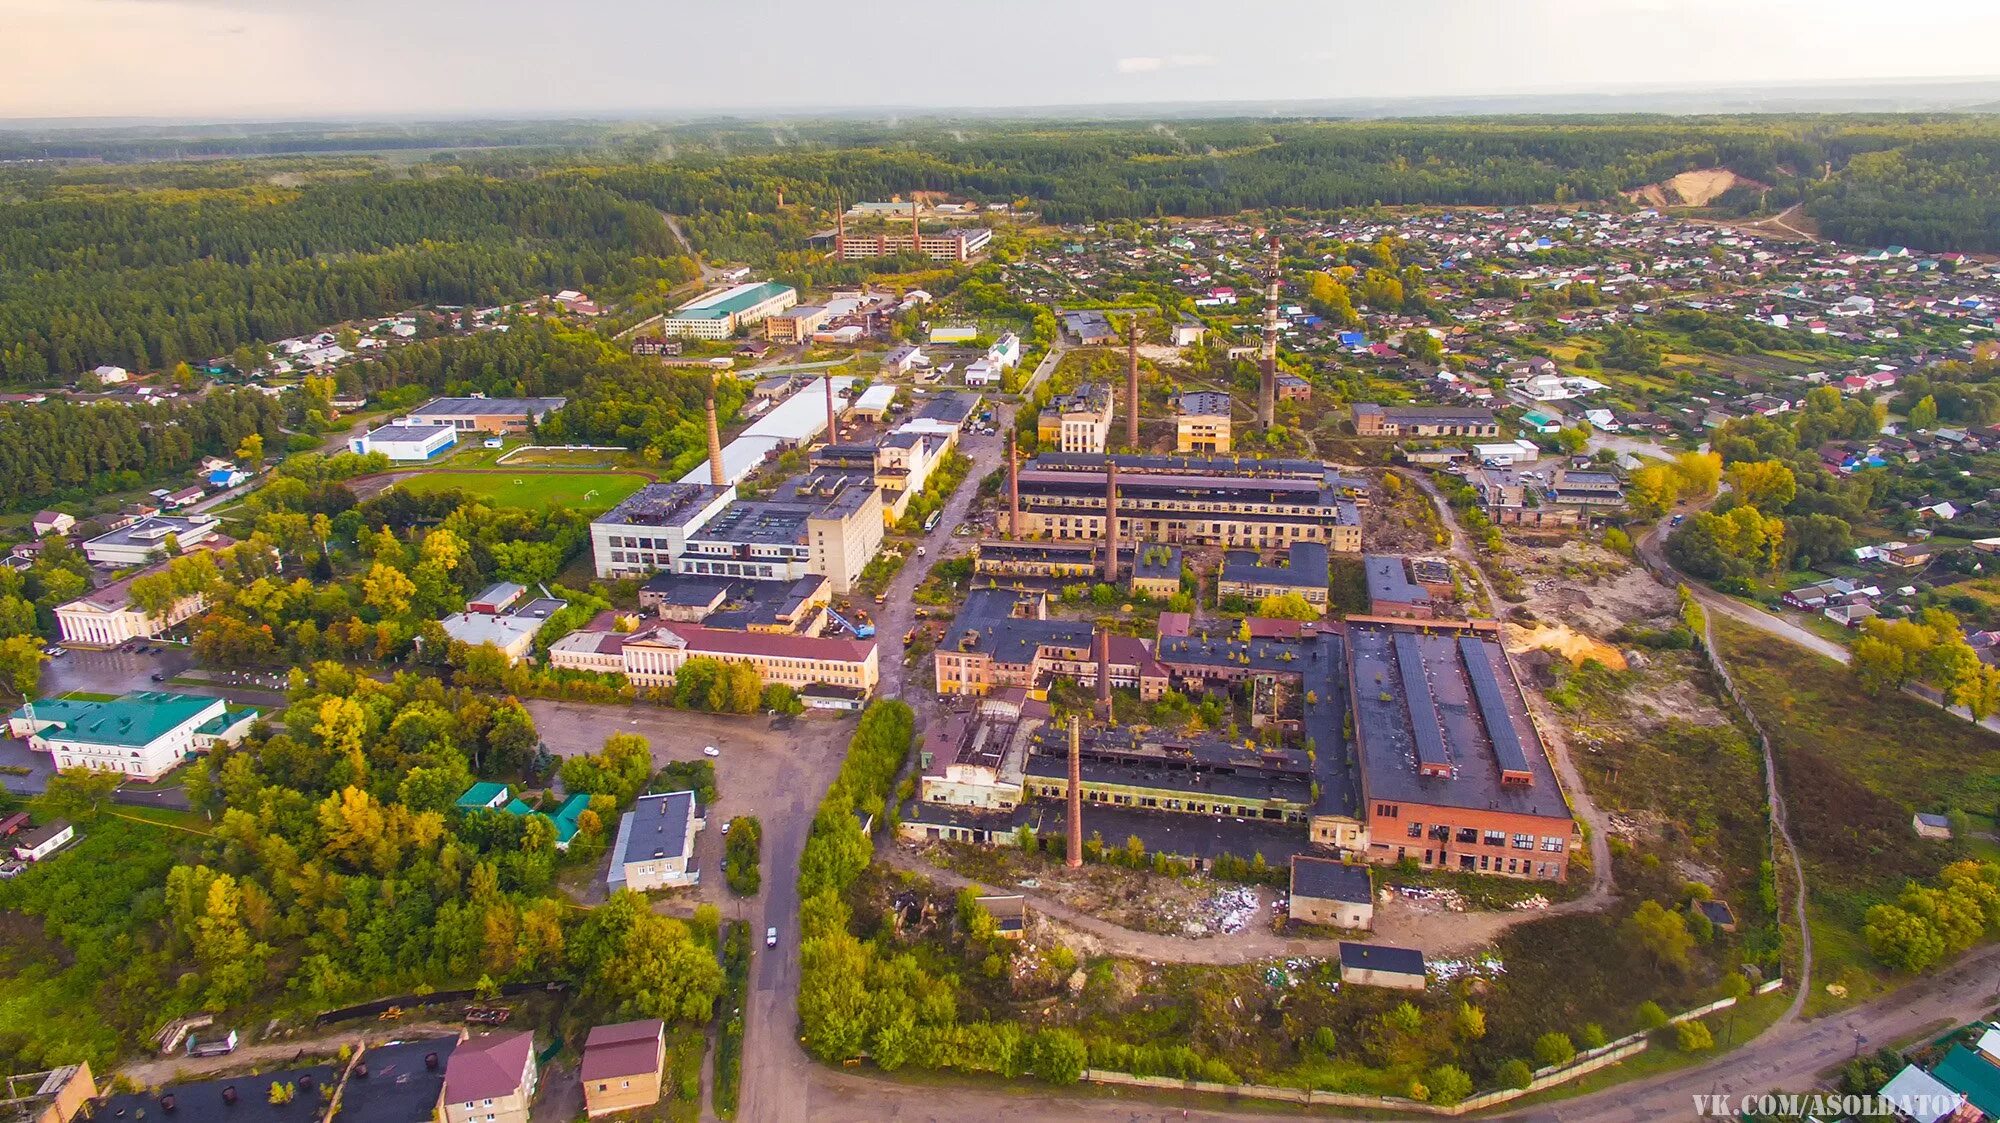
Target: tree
<point>1662,933</point>
<point>21,659</point>
<point>1693,1037</point>
<point>1924,415</point>
<point>1514,1073</point>
<point>251,450</point>
<point>1650,491</point>
<point>1573,440</point>
<point>1649,1015</point>
<point>1471,1022</point>
<point>1287,606</point>
<point>1767,485</point>
<point>77,794</point>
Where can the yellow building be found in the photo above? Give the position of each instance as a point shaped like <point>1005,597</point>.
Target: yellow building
<point>1201,422</point>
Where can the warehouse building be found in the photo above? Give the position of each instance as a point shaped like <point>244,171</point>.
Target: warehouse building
<point>407,441</point>
<point>723,312</point>
<point>1374,420</point>
<point>1201,422</point>
<point>486,415</point>
<point>1303,568</point>
<point>1190,501</point>
<point>1333,893</point>
<point>144,541</point>
<point>646,532</point>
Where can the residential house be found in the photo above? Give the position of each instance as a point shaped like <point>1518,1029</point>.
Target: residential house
<point>655,846</point>
<point>490,1079</point>
<point>621,1066</point>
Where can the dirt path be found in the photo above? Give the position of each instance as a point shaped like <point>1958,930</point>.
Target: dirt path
<point>156,1071</point>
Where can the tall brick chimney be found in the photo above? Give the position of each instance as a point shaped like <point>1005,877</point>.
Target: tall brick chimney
<point>1075,816</point>
<point>916,228</point>
<point>1103,644</point>
<point>839,228</point>
<point>715,473</point>
<point>1132,387</point>
<point>1013,484</point>
<point>1110,520</point>
<point>1267,353</point>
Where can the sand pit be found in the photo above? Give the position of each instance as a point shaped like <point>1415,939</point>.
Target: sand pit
<point>1560,638</point>
<point>1690,189</point>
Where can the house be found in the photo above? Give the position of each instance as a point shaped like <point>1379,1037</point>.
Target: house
<point>112,376</point>
<point>1378,965</point>
<point>36,843</point>
<point>1920,1097</point>
<point>621,1066</point>
<point>903,358</point>
<point>1719,914</point>
<point>53,522</point>
<point>1333,893</point>
<point>1931,825</point>
<point>655,847</point>
<point>490,1080</point>
<point>184,496</point>
<point>486,795</point>
<point>1977,1077</point>
<point>1187,333</point>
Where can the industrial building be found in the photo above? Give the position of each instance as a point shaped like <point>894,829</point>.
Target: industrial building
<point>1079,421</point>
<point>1333,893</point>
<point>1302,568</point>
<point>948,245</point>
<point>826,523</point>
<point>486,415</point>
<point>407,442</point>
<point>991,646</point>
<point>795,325</point>
<point>1201,422</point>
<point>1375,420</point>
<point>723,312</point>
<point>1190,500</point>
<point>1453,772</point>
<point>647,531</point>
<point>1411,588</point>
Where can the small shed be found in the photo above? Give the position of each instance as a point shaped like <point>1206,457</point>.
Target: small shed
<point>1334,893</point>
<point>1929,824</point>
<point>1378,965</point>
<point>1009,912</point>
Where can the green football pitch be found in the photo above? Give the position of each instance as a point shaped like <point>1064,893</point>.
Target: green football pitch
<point>589,493</point>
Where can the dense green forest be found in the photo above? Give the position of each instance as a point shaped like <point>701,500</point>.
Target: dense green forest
<point>144,265</point>
<point>65,450</point>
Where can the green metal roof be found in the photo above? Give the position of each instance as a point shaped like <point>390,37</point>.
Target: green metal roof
<point>1965,1071</point>
<point>133,721</point>
<point>729,306</point>
<point>480,796</point>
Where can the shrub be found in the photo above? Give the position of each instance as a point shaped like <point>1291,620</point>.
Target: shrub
<point>1592,1036</point>
<point>1515,1073</point>
<point>1448,1084</point>
<point>1693,1037</point>
<point>1650,1015</point>
<point>1554,1048</point>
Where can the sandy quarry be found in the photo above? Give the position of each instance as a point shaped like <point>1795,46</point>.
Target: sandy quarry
<point>1691,189</point>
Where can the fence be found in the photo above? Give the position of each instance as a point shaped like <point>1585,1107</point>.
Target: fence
<point>434,998</point>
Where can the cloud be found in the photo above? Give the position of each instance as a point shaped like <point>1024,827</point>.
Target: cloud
<point>1147,64</point>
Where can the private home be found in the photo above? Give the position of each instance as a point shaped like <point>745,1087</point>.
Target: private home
<point>144,734</point>
<point>1377,965</point>
<point>621,1066</point>
<point>53,522</point>
<point>655,847</point>
<point>490,1079</point>
<point>145,540</point>
<point>36,843</point>
<point>1333,893</point>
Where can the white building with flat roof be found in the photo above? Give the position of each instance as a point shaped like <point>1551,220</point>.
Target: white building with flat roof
<point>408,441</point>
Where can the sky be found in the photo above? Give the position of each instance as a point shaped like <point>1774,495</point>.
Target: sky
<point>258,59</point>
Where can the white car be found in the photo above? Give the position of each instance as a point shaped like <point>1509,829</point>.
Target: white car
<point>770,937</point>
<point>710,750</point>
<point>725,826</point>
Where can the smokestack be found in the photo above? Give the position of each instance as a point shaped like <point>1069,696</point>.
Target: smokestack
<point>1075,794</point>
<point>1267,357</point>
<point>1111,520</point>
<point>781,198</point>
<point>1132,387</point>
<point>1103,638</point>
<point>832,424</point>
<point>916,228</point>
<point>715,475</point>
<point>839,228</point>
<point>1013,485</point>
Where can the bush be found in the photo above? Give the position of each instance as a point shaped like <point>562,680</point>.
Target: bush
<point>1554,1048</point>
<point>1650,1015</point>
<point>741,853</point>
<point>1693,1037</point>
<point>1448,1084</point>
<point>1515,1073</point>
<point>1593,1036</point>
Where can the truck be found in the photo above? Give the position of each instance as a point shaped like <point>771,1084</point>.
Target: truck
<point>212,1047</point>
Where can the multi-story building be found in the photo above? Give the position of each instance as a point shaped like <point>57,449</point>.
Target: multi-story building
<point>145,540</point>
<point>795,325</point>
<point>972,757</point>
<point>143,735</point>
<point>988,647</point>
<point>829,523</point>
<point>949,245</point>
<point>486,415</point>
<point>1079,421</point>
<point>655,846</point>
<point>1304,569</point>
<point>1201,422</point>
<point>1195,775</point>
<point>654,656</point>
<point>647,531</point>
<point>107,617</point>
<point>723,312</point>
<point>1375,420</point>
<point>1453,772</point>
<point>490,1079</point>
<point>1193,501</point>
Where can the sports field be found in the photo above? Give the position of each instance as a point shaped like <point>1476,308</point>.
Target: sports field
<point>589,493</point>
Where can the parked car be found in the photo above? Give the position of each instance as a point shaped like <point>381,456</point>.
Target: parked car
<point>158,677</point>
<point>770,937</point>
<point>710,750</point>
<point>725,826</point>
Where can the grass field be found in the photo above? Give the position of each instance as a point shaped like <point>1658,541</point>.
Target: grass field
<point>1854,769</point>
<point>589,493</point>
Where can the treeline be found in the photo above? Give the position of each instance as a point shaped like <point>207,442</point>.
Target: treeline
<point>64,450</point>
<point>149,278</point>
<point>1941,194</point>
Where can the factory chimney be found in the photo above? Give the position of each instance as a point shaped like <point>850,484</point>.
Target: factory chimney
<point>832,423</point>
<point>715,475</point>
<point>839,229</point>
<point>1267,356</point>
<point>916,228</point>
<point>1103,643</point>
<point>1110,520</point>
<point>781,198</point>
<point>1075,794</point>
<point>1132,387</point>
<point>1013,485</point>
